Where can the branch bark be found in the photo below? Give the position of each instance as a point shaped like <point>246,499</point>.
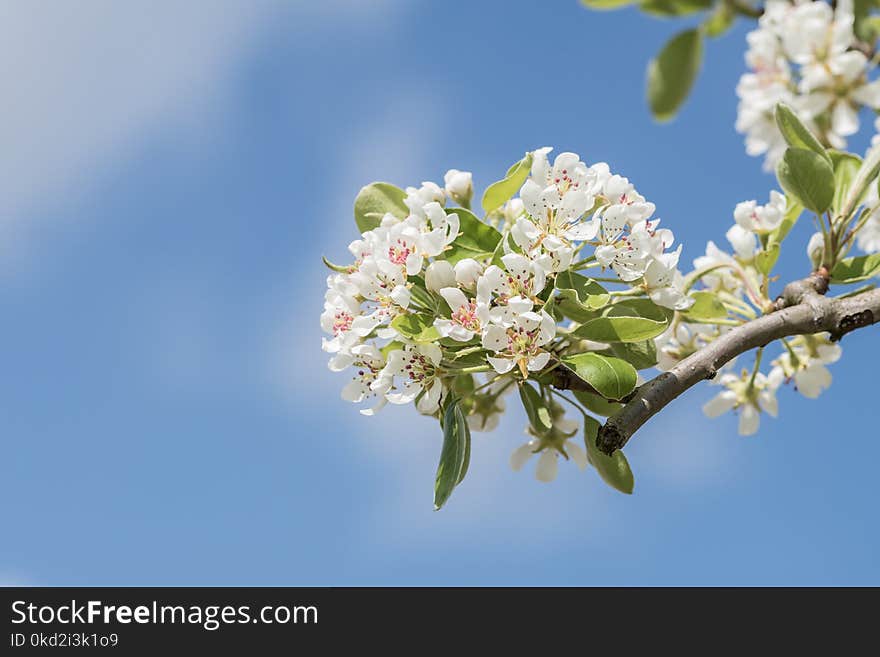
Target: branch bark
<point>800,310</point>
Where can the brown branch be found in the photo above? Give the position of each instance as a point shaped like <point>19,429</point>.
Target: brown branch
<point>800,310</point>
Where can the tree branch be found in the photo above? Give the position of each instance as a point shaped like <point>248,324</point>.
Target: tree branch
<point>800,310</point>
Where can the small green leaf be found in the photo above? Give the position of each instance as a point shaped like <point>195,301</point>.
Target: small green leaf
<point>336,268</point>
<point>792,214</point>
<point>706,307</point>
<point>796,134</point>
<point>415,326</point>
<point>766,259</point>
<point>614,469</point>
<point>672,73</point>
<point>846,167</point>
<point>376,200</point>
<point>719,21</point>
<point>498,193</point>
<point>620,329</point>
<point>672,8</point>
<point>394,345</point>
<point>597,404</point>
<point>612,378</point>
<point>865,26</point>
<point>536,409</point>
<point>455,454</point>
<point>808,177</point>
<point>853,270</point>
<point>582,290</point>
<point>640,355</point>
<point>631,321</point>
<point>476,239</point>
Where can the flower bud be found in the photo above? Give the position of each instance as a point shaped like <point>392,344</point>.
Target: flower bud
<point>459,186</point>
<point>816,249</point>
<point>439,275</point>
<point>467,271</point>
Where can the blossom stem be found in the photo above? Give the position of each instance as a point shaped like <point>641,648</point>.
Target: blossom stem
<point>490,382</point>
<point>570,401</point>
<point>606,279</point>
<point>585,263</point>
<point>632,292</point>
<point>474,370</point>
<point>759,354</point>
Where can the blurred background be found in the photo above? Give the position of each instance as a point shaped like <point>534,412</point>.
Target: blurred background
<point>171,173</point>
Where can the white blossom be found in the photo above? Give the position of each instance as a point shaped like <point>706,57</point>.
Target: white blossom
<point>802,54</point>
<point>559,440</point>
<point>804,362</point>
<point>459,186</point>
<point>467,272</point>
<point>438,275</point>
<point>520,344</point>
<point>418,197</point>
<point>468,316</point>
<point>749,396</point>
<point>411,372</point>
<point>761,218</point>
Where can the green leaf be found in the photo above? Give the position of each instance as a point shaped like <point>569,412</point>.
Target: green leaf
<point>612,378</point>
<point>606,4</point>
<point>536,409</point>
<point>394,345</point>
<point>853,270</point>
<point>792,214</point>
<point>582,290</point>
<point>640,355</point>
<point>846,166</point>
<point>719,21</point>
<point>620,329</point>
<point>766,259</point>
<point>416,326</point>
<point>631,321</point>
<point>672,73</point>
<point>336,268</point>
<point>597,404</point>
<point>706,307</point>
<point>796,134</point>
<point>865,26</point>
<point>454,456</point>
<point>614,469</point>
<point>808,177</point>
<point>672,8</point>
<point>476,239</point>
<point>376,200</point>
<point>498,193</point>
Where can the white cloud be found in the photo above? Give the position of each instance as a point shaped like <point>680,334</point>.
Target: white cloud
<point>86,82</point>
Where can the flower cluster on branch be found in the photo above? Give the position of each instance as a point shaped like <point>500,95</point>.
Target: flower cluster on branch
<point>567,291</point>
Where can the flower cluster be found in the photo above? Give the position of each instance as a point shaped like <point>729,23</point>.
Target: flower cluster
<point>739,287</point>
<point>435,296</point>
<point>804,54</point>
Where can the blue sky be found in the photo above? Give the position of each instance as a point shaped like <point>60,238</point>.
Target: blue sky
<point>172,175</point>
